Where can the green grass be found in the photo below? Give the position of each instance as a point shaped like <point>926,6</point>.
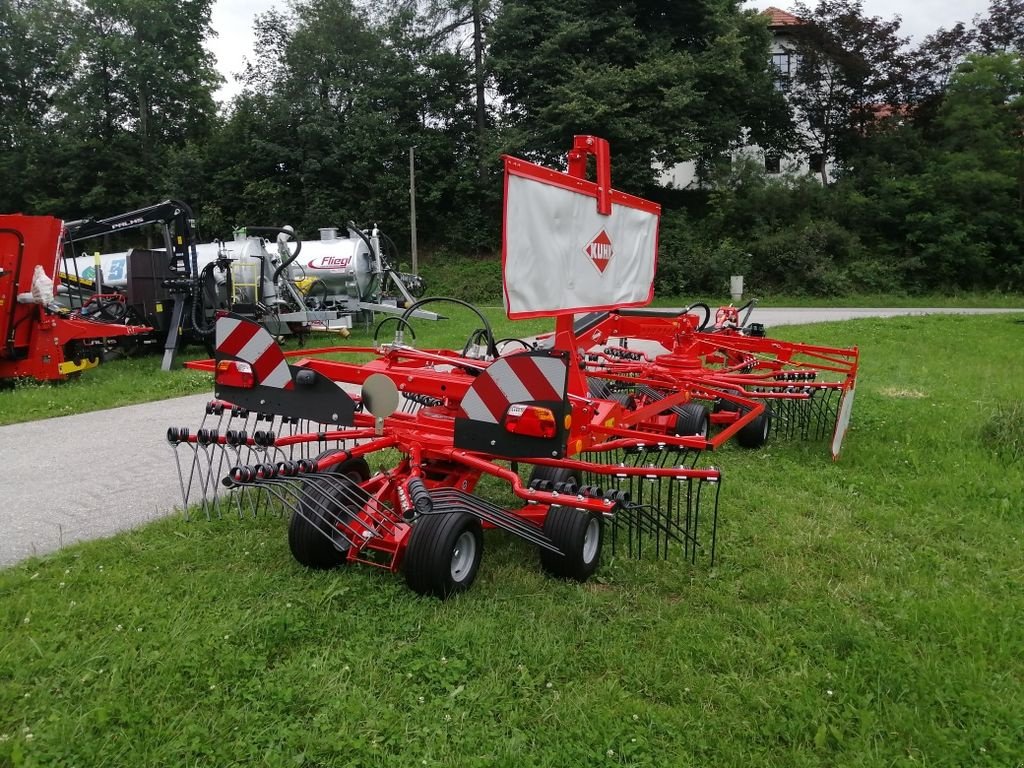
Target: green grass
<point>863,613</point>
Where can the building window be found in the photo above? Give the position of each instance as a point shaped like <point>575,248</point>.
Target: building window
<point>781,65</point>
<point>772,164</point>
<point>816,162</point>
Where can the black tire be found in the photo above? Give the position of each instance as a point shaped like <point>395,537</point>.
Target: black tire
<point>309,535</point>
<point>693,419</point>
<point>755,434</point>
<point>112,311</point>
<point>728,406</point>
<point>572,531</point>
<point>444,553</point>
<point>554,475</point>
<point>624,399</point>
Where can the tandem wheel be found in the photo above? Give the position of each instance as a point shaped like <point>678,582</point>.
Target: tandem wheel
<point>444,554</point>
<point>312,539</point>
<point>693,419</point>
<point>579,535</point>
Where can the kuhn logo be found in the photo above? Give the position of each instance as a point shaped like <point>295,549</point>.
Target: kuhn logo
<point>329,262</point>
<point>599,250</point>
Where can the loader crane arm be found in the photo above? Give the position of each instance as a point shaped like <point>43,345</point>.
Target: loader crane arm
<point>183,280</point>
<point>174,216</point>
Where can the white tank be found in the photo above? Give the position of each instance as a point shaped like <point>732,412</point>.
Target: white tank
<point>343,264</point>
<point>114,265</point>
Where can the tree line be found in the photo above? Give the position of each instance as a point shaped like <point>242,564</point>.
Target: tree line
<point>107,105</point>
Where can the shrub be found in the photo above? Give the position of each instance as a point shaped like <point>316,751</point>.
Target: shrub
<point>476,280</point>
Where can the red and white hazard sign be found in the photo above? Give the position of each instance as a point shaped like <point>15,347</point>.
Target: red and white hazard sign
<point>560,255</point>
<point>522,378</point>
<point>253,344</point>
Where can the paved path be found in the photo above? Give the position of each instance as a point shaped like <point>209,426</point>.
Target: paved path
<point>772,317</point>
<point>81,477</point>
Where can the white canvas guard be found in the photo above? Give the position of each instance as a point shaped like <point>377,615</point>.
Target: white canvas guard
<point>842,423</point>
<point>561,256</point>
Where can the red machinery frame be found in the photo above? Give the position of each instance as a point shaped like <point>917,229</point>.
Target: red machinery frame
<point>41,342</point>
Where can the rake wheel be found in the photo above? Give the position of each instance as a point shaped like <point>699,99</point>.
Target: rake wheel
<point>309,534</point>
<point>444,554</point>
<point>693,419</point>
<point>579,535</point>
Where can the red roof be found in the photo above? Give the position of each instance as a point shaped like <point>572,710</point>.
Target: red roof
<point>883,111</point>
<point>779,18</point>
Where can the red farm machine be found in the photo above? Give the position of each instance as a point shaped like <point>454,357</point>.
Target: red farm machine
<point>599,430</point>
<point>41,339</point>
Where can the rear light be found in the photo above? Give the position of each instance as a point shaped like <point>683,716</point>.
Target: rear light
<point>235,373</point>
<point>531,420</point>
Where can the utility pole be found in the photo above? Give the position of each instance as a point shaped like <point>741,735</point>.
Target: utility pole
<point>412,207</point>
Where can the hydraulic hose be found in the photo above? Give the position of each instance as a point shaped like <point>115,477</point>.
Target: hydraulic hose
<point>281,231</point>
<point>492,347</point>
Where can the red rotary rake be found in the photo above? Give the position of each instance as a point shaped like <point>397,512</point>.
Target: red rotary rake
<point>612,442</point>
<point>807,390</point>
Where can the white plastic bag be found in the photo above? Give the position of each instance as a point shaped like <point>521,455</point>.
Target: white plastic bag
<point>42,287</point>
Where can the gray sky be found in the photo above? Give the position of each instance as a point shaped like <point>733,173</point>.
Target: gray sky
<point>233,22</point>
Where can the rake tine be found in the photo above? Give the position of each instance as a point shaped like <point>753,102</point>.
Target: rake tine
<point>208,483</point>
<point>222,453</point>
<point>193,470</point>
<point>301,502</point>
<point>379,515</point>
<point>200,479</point>
<point>491,513</point>
<point>181,480</point>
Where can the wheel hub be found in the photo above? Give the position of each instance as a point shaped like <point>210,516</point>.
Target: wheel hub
<point>591,539</point>
<point>463,556</point>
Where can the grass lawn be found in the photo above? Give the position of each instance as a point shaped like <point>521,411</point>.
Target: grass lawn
<point>863,613</point>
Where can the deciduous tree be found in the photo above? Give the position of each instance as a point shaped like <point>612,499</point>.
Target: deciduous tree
<point>663,81</point>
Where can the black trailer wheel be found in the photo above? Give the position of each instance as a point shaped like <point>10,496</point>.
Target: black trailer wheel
<point>599,388</point>
<point>625,399</point>
<point>755,434</point>
<point>579,535</point>
<point>693,419</point>
<point>554,475</point>
<point>312,538</point>
<point>444,554</point>
<point>721,404</point>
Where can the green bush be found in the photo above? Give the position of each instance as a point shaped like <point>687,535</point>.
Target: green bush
<point>476,280</point>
